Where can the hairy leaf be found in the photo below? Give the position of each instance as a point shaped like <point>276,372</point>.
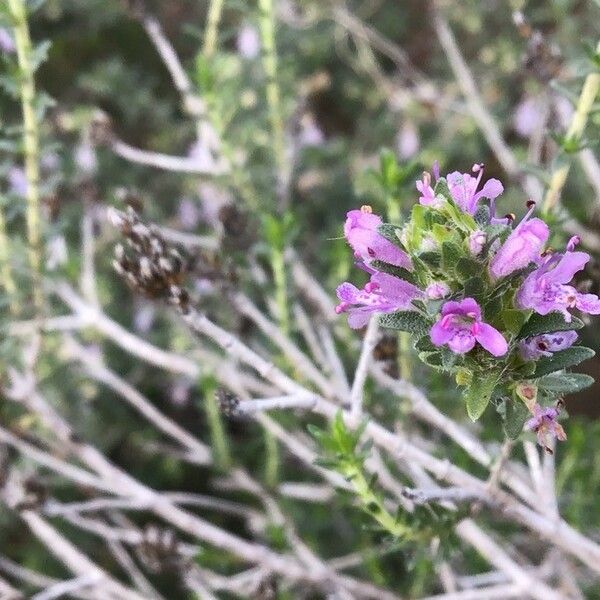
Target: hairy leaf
<point>549,323</point>
<point>562,360</point>
<point>406,320</point>
<point>516,415</point>
<point>478,394</point>
<point>565,383</point>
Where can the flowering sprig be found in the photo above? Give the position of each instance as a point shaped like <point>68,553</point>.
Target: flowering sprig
<point>484,299</point>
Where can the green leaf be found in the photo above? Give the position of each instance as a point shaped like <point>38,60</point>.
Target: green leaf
<point>516,415</point>
<point>406,320</point>
<point>431,259</point>
<point>468,267</point>
<point>482,215</point>
<point>432,359</point>
<point>424,344</point>
<point>478,395</point>
<point>388,231</point>
<point>549,323</point>
<point>514,319</point>
<point>565,383</point>
<point>451,254</point>
<point>562,360</point>
<point>441,233</point>
<point>474,288</point>
<point>399,272</point>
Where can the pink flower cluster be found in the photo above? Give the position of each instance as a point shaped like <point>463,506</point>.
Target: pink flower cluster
<point>514,259</point>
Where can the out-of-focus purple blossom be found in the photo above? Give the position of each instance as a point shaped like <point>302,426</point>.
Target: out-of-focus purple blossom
<point>212,199</point>
<point>546,344</point>
<point>360,229</point>
<point>463,188</point>
<point>200,153</point>
<point>188,214</point>
<point>7,44</point>
<point>85,159</point>
<point>50,161</point>
<point>477,241</point>
<point>437,290</point>
<point>180,392</point>
<point>544,423</point>
<point>564,109</point>
<point>407,140</point>
<point>17,181</point>
<point>310,133</point>
<point>143,318</point>
<point>528,116</point>
<point>56,252</point>
<point>461,327</point>
<point>248,42</point>
<point>546,290</point>
<point>522,247</point>
<point>384,293</point>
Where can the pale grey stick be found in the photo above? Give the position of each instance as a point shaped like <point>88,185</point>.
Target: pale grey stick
<point>360,375</point>
<point>63,588</point>
<point>529,585</point>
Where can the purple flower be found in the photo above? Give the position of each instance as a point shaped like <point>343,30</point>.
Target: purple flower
<point>407,140</point>
<point>528,116</point>
<point>537,346</point>
<point>384,293</point>
<point>476,242</point>
<point>522,246</point>
<point>17,181</point>
<point>461,327</point>
<point>427,197</point>
<point>7,44</point>
<point>544,423</point>
<point>360,230</point>
<point>437,290</point>
<point>463,188</point>
<point>248,42</point>
<point>546,290</point>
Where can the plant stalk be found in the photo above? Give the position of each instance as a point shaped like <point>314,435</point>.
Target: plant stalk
<point>30,144</point>
<point>589,92</point>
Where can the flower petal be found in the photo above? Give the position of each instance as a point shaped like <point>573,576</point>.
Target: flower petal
<point>440,335</point>
<point>358,318</point>
<point>397,289</point>
<point>491,339</point>
<point>461,342</point>
<point>569,264</point>
<point>347,292</point>
<point>588,303</point>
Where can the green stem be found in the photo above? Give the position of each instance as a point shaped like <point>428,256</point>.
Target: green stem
<point>30,144</point>
<point>281,295</point>
<point>271,459</point>
<point>6,277</point>
<point>589,92</point>
<point>218,437</point>
<point>373,504</point>
<point>404,356</point>
<point>269,61</point>
<point>215,10</point>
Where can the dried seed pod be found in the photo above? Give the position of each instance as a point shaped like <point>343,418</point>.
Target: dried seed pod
<point>159,550</point>
<point>227,401</point>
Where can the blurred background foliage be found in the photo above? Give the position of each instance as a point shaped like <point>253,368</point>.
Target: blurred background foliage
<point>345,103</point>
